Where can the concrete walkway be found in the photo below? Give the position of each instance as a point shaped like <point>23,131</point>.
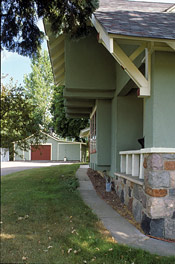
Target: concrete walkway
<point>119,227</point>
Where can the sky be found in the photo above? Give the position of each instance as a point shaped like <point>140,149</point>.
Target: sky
<point>16,66</point>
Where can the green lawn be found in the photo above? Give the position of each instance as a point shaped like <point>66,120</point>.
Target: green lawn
<point>44,220</point>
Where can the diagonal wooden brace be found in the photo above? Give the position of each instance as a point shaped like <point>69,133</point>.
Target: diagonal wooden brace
<point>142,82</point>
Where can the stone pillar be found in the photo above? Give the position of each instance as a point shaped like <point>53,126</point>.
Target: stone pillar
<point>158,218</point>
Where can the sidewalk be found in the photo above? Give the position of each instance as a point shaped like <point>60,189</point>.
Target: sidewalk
<point>119,227</point>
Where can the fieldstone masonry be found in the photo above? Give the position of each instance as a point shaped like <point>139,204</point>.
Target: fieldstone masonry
<point>153,201</point>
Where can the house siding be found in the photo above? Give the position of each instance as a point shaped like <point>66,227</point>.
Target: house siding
<point>90,63</point>
<point>69,151</point>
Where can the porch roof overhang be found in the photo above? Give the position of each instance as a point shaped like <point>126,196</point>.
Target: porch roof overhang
<point>115,28</point>
<point>111,36</point>
<point>56,52</point>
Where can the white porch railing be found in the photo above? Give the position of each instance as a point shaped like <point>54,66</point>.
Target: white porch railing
<point>131,162</point>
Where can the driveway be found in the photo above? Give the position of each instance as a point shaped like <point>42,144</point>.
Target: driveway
<point>14,166</point>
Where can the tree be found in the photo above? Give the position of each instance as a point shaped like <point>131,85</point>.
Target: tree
<point>65,127</point>
<point>39,86</point>
<point>17,119</point>
<point>19,29</point>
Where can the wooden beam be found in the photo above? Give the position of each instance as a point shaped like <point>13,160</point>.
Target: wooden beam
<point>131,70</point>
<point>54,42</point>
<point>172,45</point>
<point>77,115</point>
<point>79,103</point>
<point>57,54</point>
<point>117,36</point>
<point>78,110</point>
<point>137,52</point>
<point>59,72</point>
<point>60,66</point>
<point>87,94</point>
<point>59,46</point>
<point>103,35</point>
<point>59,79</point>
<point>59,61</point>
<point>126,62</point>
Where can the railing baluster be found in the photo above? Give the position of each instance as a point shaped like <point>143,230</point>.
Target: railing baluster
<point>141,174</point>
<point>135,164</point>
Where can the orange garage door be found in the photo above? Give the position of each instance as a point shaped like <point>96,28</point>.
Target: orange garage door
<point>43,152</point>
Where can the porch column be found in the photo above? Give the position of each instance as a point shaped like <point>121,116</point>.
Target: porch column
<point>159,108</point>
<point>158,218</point>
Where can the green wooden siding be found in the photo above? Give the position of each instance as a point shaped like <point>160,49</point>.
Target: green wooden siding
<point>70,151</point>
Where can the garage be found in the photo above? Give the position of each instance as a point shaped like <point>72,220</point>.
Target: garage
<point>41,152</point>
<point>51,148</point>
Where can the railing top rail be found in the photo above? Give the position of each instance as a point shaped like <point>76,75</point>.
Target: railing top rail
<point>148,150</point>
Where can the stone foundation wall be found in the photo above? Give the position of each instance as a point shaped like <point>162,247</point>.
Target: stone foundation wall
<point>153,203</point>
<point>159,217</point>
<point>132,195</point>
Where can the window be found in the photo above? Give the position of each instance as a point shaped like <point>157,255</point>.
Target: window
<point>93,133</point>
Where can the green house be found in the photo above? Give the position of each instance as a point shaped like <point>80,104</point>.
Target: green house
<point>122,76</point>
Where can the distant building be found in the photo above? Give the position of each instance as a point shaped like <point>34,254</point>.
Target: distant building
<point>53,149</point>
<point>4,154</point>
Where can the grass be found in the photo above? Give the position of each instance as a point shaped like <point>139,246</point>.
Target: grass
<point>44,220</point>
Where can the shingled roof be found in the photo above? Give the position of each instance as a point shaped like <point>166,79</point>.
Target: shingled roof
<point>138,19</point>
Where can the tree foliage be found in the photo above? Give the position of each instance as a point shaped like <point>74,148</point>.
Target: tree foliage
<point>63,126</point>
<point>17,119</point>
<point>19,29</point>
<point>39,86</point>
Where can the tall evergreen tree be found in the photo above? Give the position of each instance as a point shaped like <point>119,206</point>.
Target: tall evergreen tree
<point>19,29</point>
<point>39,86</point>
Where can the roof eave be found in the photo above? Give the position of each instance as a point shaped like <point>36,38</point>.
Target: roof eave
<point>56,43</point>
